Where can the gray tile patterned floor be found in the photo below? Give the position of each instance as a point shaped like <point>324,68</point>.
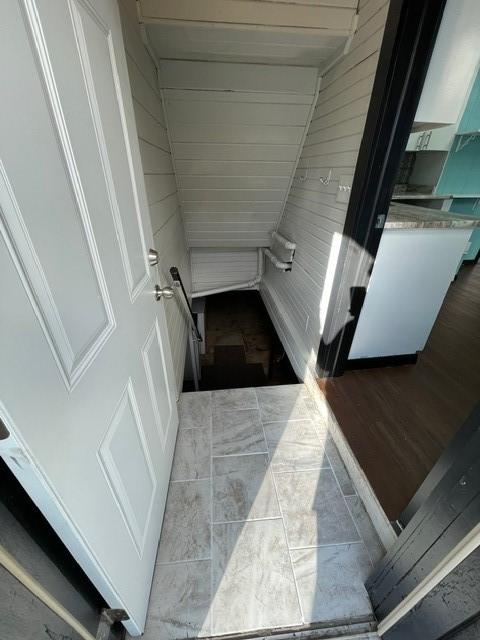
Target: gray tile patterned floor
<point>263,528</point>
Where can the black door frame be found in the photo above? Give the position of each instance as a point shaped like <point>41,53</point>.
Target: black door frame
<point>444,511</point>
<point>410,33</point>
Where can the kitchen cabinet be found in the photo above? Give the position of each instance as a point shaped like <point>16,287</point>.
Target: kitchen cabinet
<point>432,139</point>
<point>471,116</point>
<point>452,66</point>
<point>417,259</point>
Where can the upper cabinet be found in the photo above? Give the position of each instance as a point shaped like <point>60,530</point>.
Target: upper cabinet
<point>452,68</point>
<point>471,116</point>
<point>432,139</point>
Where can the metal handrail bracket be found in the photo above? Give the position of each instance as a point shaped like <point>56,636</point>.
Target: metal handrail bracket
<point>177,282</point>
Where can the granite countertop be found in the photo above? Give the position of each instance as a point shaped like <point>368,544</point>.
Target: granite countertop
<point>407,216</point>
<point>408,195</point>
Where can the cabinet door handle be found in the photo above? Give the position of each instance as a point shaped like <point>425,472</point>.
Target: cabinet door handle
<point>419,142</point>
<point>427,140</point>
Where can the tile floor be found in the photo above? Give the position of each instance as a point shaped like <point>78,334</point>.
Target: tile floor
<point>263,528</point>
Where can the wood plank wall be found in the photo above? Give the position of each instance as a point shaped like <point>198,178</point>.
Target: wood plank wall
<point>236,132</point>
<point>159,176</point>
<point>323,16</point>
<point>312,216</point>
<point>212,268</point>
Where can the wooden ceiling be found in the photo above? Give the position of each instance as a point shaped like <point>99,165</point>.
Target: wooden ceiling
<point>325,15</point>
<point>239,81</point>
<point>298,32</point>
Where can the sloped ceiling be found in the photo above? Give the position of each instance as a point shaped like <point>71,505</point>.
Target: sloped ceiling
<point>235,43</point>
<point>236,131</point>
<point>239,81</point>
<point>285,32</point>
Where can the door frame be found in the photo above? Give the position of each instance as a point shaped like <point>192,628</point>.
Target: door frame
<point>409,38</point>
<point>442,531</point>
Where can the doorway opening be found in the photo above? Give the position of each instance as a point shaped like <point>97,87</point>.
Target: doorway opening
<point>241,347</point>
<point>409,244</point>
<point>398,420</point>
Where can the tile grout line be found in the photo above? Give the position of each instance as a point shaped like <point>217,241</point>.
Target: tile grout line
<point>344,497</point>
<point>361,541</point>
<point>361,538</point>
<point>266,518</point>
<point>297,590</point>
<point>300,470</point>
<point>358,529</point>
<point>190,561</point>
<point>348,543</point>
<point>289,420</point>
<point>210,608</point>
<point>190,480</point>
<point>240,455</point>
<point>223,410</point>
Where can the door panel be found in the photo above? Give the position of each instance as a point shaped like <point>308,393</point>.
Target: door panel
<point>124,456</point>
<point>88,392</point>
<point>75,328</point>
<point>156,371</point>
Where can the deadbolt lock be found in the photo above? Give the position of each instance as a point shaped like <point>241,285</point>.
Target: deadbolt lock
<point>152,257</point>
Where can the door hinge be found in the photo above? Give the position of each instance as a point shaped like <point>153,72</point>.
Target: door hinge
<point>107,618</point>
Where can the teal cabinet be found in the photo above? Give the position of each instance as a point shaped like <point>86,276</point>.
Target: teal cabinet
<point>471,116</point>
<point>461,173</point>
<point>470,207</point>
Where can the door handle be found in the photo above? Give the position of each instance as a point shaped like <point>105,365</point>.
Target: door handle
<point>166,292</point>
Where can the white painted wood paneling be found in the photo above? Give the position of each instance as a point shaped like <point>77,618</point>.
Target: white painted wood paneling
<point>312,216</point>
<point>165,212</point>
<point>219,76</point>
<point>233,43</point>
<point>236,132</point>
<point>330,16</point>
<point>212,268</point>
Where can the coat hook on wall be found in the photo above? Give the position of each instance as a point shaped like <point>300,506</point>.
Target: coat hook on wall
<point>325,180</point>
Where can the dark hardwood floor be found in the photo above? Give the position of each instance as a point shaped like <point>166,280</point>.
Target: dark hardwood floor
<point>398,420</point>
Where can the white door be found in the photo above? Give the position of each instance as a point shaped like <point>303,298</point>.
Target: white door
<point>86,379</point>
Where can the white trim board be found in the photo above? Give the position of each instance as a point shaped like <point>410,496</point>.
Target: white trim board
<point>284,329</point>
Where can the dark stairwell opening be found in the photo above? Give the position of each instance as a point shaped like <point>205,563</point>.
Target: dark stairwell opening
<point>242,348</point>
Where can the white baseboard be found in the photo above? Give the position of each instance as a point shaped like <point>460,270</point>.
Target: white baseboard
<point>285,329</point>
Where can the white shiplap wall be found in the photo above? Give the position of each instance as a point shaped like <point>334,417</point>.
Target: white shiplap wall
<point>312,216</point>
<point>213,268</point>
<point>235,43</point>
<point>159,176</point>
<point>236,132</point>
